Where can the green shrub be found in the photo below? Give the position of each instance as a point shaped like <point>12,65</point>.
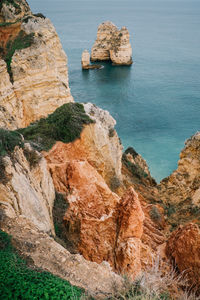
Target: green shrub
<point>17,281</point>
<point>59,210</point>
<point>8,141</point>
<point>65,124</point>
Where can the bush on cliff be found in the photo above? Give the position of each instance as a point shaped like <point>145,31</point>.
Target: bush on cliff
<point>65,124</point>
<point>17,281</point>
<point>8,141</point>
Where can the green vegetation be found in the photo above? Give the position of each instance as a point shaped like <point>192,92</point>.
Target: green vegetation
<point>65,124</point>
<point>135,169</point>
<point>22,41</point>
<point>8,141</point>
<point>17,281</point>
<point>59,210</point>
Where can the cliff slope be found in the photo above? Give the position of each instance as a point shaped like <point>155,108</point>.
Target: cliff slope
<point>34,76</point>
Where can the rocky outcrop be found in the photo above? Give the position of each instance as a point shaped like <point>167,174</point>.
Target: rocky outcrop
<point>130,219</point>
<point>85,62</point>
<point>181,190</point>
<point>98,144</point>
<point>37,82</point>
<point>27,190</point>
<point>99,228</point>
<point>44,253</point>
<point>183,247</point>
<point>112,44</point>
<point>85,59</point>
<point>135,169</point>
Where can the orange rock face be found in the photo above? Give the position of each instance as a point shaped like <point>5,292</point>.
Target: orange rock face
<point>183,247</point>
<point>90,220</point>
<point>130,229</point>
<point>101,226</point>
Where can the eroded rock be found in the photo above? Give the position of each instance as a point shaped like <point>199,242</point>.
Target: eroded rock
<point>183,247</point>
<point>112,44</point>
<point>28,191</point>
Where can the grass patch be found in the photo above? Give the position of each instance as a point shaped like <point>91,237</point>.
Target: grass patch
<point>65,124</point>
<point>17,281</point>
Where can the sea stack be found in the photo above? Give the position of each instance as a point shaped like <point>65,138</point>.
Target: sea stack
<point>85,59</point>
<point>112,44</point>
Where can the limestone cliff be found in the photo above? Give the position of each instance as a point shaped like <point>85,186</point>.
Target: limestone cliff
<point>37,82</point>
<point>112,44</point>
<point>26,188</point>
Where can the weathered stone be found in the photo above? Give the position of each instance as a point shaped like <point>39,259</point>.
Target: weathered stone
<point>129,233</point>
<point>112,44</point>
<point>29,190</point>
<point>183,247</point>
<point>12,13</point>
<point>39,73</point>
<point>85,59</point>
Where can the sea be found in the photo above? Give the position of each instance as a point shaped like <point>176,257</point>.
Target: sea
<point>156,101</point>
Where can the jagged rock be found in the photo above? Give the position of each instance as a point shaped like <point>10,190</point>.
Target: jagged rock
<point>135,169</point>
<point>44,253</point>
<point>130,228</point>
<point>28,191</point>
<point>98,144</point>
<point>38,81</point>
<point>183,247</point>
<point>181,190</point>
<point>112,44</point>
<point>90,219</point>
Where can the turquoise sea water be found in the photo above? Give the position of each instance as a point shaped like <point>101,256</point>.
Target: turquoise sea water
<point>156,102</point>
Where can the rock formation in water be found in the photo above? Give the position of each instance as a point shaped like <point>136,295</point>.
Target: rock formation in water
<point>35,75</point>
<point>112,44</point>
<point>85,62</point>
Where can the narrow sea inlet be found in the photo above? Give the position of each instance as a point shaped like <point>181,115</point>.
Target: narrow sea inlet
<point>156,101</point>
